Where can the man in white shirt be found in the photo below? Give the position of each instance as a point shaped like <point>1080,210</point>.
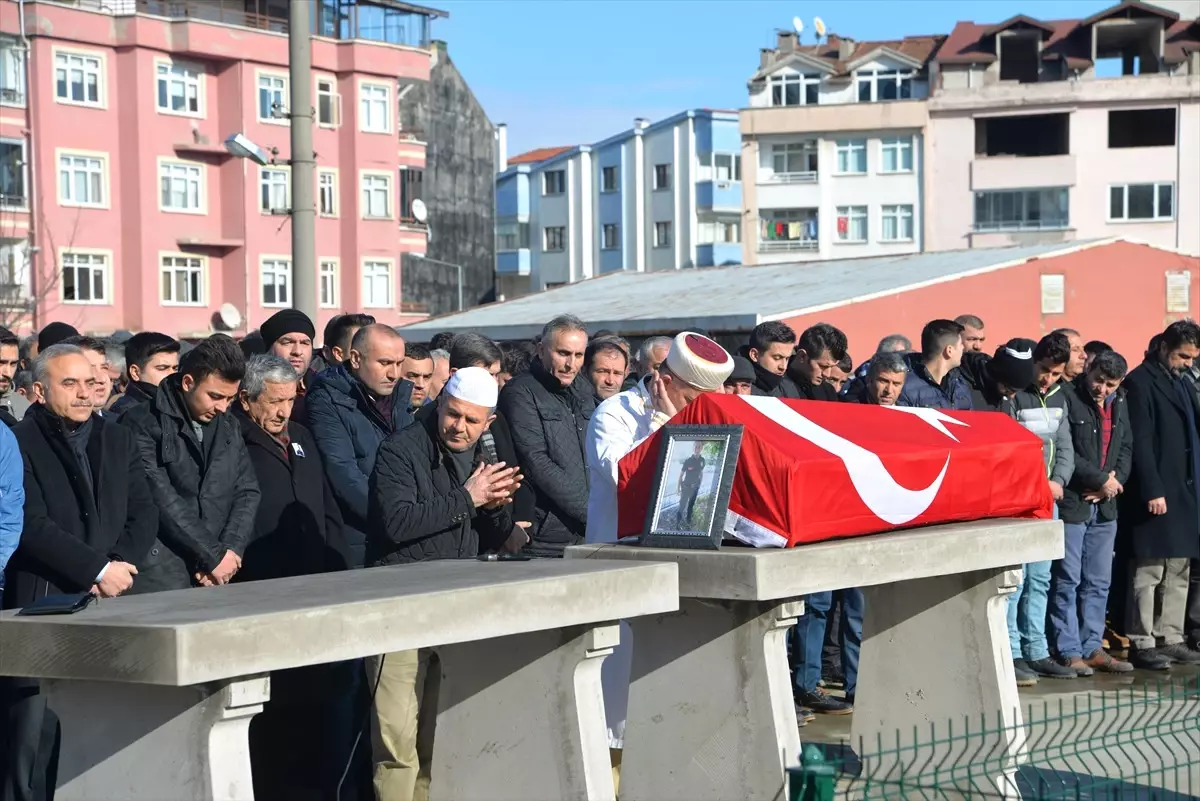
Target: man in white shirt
<point>694,365</point>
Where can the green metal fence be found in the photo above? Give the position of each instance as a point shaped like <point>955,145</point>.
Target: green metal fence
<point>1135,744</point>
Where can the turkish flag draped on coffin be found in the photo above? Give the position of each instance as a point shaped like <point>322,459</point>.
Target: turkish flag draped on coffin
<point>811,471</point>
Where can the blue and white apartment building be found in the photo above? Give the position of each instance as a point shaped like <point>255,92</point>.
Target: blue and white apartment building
<point>660,196</point>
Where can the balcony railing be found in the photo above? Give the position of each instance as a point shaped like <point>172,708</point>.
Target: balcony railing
<point>999,226</point>
<point>13,201</point>
<point>788,245</point>
<point>12,96</point>
<point>809,177</point>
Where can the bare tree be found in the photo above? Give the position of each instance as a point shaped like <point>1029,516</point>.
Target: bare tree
<point>28,292</point>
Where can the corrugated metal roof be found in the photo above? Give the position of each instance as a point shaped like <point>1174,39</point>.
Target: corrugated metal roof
<point>722,299</point>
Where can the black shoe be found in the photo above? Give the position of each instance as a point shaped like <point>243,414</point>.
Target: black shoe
<point>1148,659</point>
<point>804,715</point>
<point>1180,653</point>
<point>1025,676</point>
<point>823,704</point>
<point>833,678</point>
<point>1050,669</point>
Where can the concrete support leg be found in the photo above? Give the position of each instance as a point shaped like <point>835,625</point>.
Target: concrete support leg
<point>936,689</point>
<point>141,742</point>
<point>522,717</point>
<point>710,704</point>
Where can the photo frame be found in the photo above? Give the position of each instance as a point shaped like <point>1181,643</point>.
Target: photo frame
<point>694,477</point>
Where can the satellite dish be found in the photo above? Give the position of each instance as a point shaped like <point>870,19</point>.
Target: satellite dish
<point>819,26</point>
<point>419,211</point>
<point>798,24</point>
<point>231,318</point>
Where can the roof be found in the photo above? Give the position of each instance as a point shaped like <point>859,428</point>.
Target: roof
<point>726,299</point>
<point>539,155</point>
<point>920,49</point>
<point>1070,39</point>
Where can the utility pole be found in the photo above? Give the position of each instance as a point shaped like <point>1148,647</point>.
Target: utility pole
<point>303,161</point>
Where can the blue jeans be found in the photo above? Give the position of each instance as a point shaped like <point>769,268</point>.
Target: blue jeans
<point>809,636</point>
<point>1079,587</point>
<point>1027,612</point>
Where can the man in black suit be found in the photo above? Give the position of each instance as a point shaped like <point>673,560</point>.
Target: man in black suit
<point>89,520</point>
<point>1159,508</point>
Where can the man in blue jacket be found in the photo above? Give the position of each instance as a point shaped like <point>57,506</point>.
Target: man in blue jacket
<point>933,380</point>
<point>12,498</point>
<point>352,408</point>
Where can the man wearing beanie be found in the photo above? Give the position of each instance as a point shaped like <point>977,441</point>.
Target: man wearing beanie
<point>694,365</point>
<point>434,494</point>
<point>741,380</point>
<point>54,334</point>
<point>994,380</point>
<point>289,333</point>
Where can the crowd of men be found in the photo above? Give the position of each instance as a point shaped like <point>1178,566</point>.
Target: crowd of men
<point>140,464</point>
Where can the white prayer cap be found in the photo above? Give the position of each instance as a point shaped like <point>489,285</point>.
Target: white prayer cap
<point>699,361</point>
<point>473,385</point>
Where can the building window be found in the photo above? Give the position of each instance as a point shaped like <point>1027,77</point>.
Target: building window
<point>795,161</point>
<point>897,154</point>
<point>608,179</point>
<point>554,239</point>
<point>377,197</point>
<point>795,90</point>
<point>554,182</point>
<point>877,85</point>
<point>78,78</point>
<point>662,176</point>
<point>328,283</point>
<point>727,167</point>
<point>85,278</point>
<point>1141,202</point>
<point>179,89</point>
<point>719,231</point>
<point>182,281</point>
<point>275,189</point>
<point>852,224</point>
<point>272,98</point>
<point>897,224</point>
<point>12,174</point>
<point>181,186</point>
<point>612,237</point>
<point>787,230</point>
<point>412,187</point>
<point>12,72</point>
<point>329,103</point>
<point>1022,210</point>
<point>327,194</point>
<point>852,157</point>
<point>276,282</point>
<point>373,108</point>
<point>662,235</point>
<point>512,235</point>
<point>377,284</point>
<point>81,180</point>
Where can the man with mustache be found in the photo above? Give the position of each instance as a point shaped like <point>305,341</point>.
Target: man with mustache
<point>12,404</point>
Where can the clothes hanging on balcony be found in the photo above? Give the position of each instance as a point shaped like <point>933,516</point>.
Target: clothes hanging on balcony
<point>779,230</point>
<point>843,225</point>
<point>793,230</point>
<point>811,228</point>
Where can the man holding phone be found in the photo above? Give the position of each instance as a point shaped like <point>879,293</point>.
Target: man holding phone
<point>434,494</point>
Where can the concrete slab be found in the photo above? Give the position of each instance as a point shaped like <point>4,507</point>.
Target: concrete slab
<point>762,574</point>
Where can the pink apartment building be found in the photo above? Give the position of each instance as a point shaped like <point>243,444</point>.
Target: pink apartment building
<point>119,205</point>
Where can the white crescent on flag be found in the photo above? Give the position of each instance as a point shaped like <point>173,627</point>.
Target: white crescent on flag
<point>887,499</point>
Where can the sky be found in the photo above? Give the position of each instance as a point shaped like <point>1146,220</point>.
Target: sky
<point>568,72</point>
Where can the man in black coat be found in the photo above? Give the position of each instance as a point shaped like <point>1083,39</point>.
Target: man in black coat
<point>818,352</point>
<point>1159,508</point>
<point>88,521</point>
<point>770,350</point>
<point>1080,581</point>
<point>434,494</point>
<point>548,410</point>
<point>195,461</point>
<point>149,358</point>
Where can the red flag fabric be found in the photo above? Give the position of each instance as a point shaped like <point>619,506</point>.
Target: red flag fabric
<point>812,471</point>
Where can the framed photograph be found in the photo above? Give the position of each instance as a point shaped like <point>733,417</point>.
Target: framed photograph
<point>690,498</point>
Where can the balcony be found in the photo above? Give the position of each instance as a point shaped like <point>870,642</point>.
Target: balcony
<point>788,246</point>
<point>721,254</point>
<point>1016,172</point>
<point>842,117</point>
<point>12,96</point>
<point>1012,95</point>
<point>718,195</point>
<point>513,262</point>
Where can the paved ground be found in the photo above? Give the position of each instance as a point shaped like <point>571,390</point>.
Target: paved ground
<point>1107,737</point>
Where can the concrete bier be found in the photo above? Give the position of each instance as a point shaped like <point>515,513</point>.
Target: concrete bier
<point>710,712</point>
<point>156,692</point>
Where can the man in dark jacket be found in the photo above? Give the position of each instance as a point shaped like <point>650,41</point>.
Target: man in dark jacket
<point>300,742</point>
<point>1159,513</point>
<point>818,352</point>
<point>352,407</point>
<point>149,358</point>
<point>1103,444</point>
<point>13,405</point>
<point>195,462</point>
<point>771,347</point>
<point>548,410</point>
<point>933,380</point>
<point>435,494</point>
<point>288,333</point>
<point>994,380</point>
<point>88,520</point>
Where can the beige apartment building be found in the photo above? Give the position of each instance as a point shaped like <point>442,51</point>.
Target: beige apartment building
<point>1025,131</point>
